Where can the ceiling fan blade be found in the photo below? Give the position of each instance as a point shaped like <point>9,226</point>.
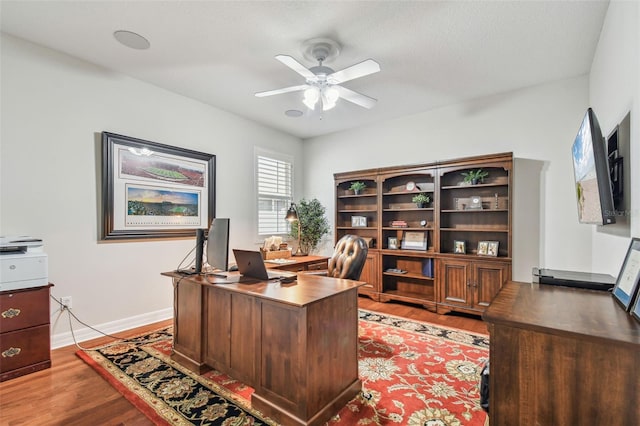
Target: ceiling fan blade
<point>355,97</point>
<point>283,90</point>
<point>296,66</point>
<point>354,71</point>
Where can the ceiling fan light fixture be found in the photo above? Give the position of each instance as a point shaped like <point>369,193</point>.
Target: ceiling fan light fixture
<point>330,96</point>
<point>311,96</point>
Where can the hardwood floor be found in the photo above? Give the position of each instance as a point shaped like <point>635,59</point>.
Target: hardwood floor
<point>70,393</point>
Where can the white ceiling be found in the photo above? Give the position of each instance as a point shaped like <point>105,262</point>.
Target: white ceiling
<point>431,53</point>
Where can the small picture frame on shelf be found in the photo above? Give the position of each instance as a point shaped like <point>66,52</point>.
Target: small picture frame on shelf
<point>492,248</point>
<point>626,287</point>
<point>392,243</point>
<point>359,221</point>
<point>483,248</point>
<point>459,247</point>
<point>414,241</point>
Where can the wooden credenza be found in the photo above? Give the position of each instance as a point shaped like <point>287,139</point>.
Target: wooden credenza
<point>296,344</point>
<point>25,344</point>
<point>562,356</point>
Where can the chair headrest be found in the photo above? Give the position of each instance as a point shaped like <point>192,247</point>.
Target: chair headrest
<point>348,257</point>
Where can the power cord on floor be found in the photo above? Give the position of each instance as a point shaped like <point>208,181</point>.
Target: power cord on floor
<point>63,307</point>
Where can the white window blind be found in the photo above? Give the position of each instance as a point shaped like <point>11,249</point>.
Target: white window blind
<point>274,182</point>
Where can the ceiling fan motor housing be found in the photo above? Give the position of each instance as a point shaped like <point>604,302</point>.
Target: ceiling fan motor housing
<point>320,49</point>
<point>321,73</point>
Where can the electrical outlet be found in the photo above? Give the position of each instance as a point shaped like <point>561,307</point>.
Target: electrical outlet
<point>66,301</point>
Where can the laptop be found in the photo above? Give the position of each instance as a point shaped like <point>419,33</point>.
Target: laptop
<point>251,267</point>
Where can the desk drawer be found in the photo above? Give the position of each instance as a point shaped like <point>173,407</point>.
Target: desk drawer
<point>294,267</point>
<point>25,347</point>
<point>24,308</point>
<point>319,266</point>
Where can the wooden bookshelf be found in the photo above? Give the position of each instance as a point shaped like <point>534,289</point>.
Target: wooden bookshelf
<point>456,211</point>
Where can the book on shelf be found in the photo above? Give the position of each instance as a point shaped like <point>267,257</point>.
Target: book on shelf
<point>398,224</point>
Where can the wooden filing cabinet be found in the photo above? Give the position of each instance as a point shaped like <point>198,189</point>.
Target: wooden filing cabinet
<point>25,343</point>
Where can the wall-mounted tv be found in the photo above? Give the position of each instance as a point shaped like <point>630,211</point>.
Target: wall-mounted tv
<point>591,172</point>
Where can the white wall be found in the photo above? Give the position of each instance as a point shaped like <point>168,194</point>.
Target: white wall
<point>614,90</point>
<point>53,108</point>
<point>537,124</point>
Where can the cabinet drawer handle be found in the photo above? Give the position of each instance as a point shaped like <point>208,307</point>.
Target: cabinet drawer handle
<point>11,313</point>
<point>11,352</point>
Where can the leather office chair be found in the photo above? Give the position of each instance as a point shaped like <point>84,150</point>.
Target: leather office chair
<point>348,258</point>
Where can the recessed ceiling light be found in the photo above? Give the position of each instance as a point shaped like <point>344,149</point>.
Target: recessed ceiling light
<point>132,40</point>
<point>293,113</point>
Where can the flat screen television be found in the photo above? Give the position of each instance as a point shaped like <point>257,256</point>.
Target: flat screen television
<point>218,244</point>
<point>591,172</point>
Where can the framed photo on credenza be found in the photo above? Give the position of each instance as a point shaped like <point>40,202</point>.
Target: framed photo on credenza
<point>626,288</point>
<point>635,310</point>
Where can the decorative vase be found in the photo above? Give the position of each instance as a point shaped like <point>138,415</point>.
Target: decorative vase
<point>474,181</point>
<point>420,205</point>
<point>356,191</point>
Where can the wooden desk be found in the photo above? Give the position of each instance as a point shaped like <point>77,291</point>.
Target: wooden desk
<point>562,356</point>
<point>295,344</point>
<point>302,263</point>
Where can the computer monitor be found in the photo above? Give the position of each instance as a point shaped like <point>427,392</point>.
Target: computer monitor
<point>218,244</point>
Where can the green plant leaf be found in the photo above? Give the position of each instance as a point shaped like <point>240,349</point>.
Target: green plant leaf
<point>313,223</point>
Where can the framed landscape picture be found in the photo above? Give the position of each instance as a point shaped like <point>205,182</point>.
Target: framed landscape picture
<point>151,190</point>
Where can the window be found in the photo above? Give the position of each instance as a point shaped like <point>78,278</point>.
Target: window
<point>274,180</point>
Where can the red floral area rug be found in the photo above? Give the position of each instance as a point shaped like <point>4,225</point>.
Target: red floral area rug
<point>413,373</point>
<point>416,373</point>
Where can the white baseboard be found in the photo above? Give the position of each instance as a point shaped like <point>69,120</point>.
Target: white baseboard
<point>85,333</point>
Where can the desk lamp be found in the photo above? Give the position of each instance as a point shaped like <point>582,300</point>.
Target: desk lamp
<point>292,215</point>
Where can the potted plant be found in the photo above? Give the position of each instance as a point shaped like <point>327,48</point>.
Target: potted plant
<point>313,224</point>
<point>357,187</point>
<point>421,199</point>
<point>474,176</point>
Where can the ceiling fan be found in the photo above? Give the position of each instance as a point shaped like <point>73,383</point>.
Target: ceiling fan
<point>322,87</point>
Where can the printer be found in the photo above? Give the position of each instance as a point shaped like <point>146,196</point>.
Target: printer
<point>23,263</point>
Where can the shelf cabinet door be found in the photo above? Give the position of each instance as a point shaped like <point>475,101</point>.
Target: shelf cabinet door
<point>489,277</point>
<point>454,282</point>
<point>370,273</point>
<point>471,284</point>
